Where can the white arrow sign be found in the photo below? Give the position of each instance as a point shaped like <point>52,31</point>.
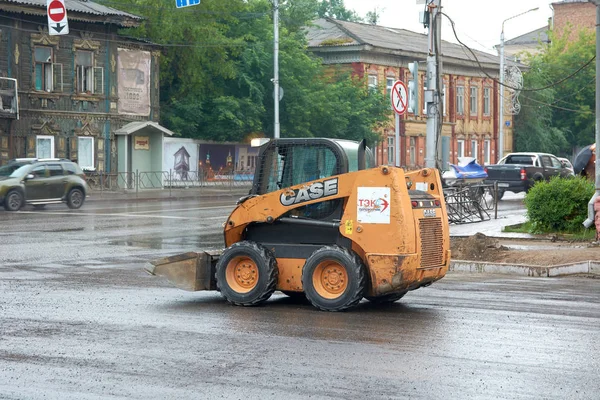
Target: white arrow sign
<point>57,17</point>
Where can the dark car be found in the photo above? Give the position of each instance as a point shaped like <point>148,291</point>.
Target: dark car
<point>41,181</point>
<point>518,172</point>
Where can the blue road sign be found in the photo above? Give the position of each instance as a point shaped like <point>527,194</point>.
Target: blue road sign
<point>186,3</point>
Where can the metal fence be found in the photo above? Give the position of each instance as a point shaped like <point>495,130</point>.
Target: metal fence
<point>140,180</point>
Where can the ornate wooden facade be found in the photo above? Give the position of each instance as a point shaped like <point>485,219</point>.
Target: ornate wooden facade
<point>68,85</point>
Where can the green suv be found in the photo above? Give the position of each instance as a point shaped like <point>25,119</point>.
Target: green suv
<point>41,181</point>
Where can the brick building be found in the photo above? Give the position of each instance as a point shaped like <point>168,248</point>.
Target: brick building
<point>470,108</point>
<point>75,90</point>
<point>573,15</point>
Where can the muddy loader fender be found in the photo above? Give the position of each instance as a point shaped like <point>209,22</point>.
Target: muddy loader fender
<point>334,278</point>
<point>246,274</point>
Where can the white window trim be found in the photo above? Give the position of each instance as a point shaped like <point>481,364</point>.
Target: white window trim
<point>372,81</point>
<point>474,142</point>
<point>37,138</point>
<point>487,151</point>
<point>460,148</point>
<point>79,138</point>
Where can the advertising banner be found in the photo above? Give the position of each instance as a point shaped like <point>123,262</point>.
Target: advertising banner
<point>134,68</point>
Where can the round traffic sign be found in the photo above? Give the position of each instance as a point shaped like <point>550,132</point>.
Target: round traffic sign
<point>399,97</point>
<point>56,11</point>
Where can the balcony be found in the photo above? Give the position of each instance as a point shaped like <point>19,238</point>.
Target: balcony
<point>9,99</point>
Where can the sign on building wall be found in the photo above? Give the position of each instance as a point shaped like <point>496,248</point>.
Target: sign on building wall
<point>141,143</point>
<point>134,82</point>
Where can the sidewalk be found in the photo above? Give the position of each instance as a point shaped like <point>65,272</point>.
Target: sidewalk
<point>206,193</point>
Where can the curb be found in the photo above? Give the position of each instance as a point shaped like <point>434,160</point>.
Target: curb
<point>585,267</point>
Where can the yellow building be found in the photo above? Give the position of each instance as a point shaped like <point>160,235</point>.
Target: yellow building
<point>471,97</point>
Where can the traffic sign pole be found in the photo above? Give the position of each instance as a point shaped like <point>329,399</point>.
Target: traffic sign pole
<point>399,99</point>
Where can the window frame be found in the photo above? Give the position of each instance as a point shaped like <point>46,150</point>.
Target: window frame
<point>473,97</point>
<point>474,148</point>
<point>37,147</point>
<point>486,101</point>
<point>487,151</point>
<point>93,156</point>
<point>372,82</point>
<point>460,100</point>
<point>460,148</point>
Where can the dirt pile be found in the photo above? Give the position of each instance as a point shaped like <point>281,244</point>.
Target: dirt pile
<point>477,247</point>
<point>480,247</point>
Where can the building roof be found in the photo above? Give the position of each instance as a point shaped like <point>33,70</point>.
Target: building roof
<point>332,33</point>
<point>79,6</point>
<point>533,37</point>
<point>137,126</point>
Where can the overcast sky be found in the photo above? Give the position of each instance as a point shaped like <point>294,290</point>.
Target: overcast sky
<point>478,22</point>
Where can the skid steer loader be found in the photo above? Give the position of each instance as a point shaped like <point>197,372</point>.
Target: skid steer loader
<point>322,222</point>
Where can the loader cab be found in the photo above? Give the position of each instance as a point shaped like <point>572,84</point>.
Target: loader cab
<point>287,162</point>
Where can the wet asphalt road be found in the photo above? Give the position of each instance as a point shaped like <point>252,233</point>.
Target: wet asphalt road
<point>80,319</point>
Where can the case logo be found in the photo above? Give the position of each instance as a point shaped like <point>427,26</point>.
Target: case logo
<point>315,191</point>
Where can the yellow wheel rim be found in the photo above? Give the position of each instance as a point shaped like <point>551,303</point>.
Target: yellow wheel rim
<point>242,274</point>
<point>330,279</point>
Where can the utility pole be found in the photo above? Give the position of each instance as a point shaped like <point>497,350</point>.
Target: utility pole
<point>276,65</point>
<point>433,83</point>
<point>591,212</point>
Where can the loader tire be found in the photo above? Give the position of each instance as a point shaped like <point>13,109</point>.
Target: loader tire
<point>334,279</point>
<point>386,298</point>
<point>246,274</point>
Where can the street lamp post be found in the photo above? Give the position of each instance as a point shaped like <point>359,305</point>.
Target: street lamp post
<point>500,150</point>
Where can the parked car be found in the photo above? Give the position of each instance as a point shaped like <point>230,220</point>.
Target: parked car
<point>567,164</point>
<point>518,172</point>
<point>41,181</point>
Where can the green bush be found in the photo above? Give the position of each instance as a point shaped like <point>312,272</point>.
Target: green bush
<point>559,205</point>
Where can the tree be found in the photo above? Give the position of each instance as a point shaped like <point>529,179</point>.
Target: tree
<point>217,67</point>
<point>337,10</point>
<point>561,118</point>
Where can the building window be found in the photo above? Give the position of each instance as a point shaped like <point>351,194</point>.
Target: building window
<point>373,82</point>
<point>85,71</point>
<point>43,69</point>
<point>44,146</point>
<point>486,152</point>
<point>85,152</point>
<point>391,150</point>
<point>473,101</point>
<point>486,101</point>
<point>460,148</point>
<point>474,149</point>
<point>389,85</point>
<point>413,152</point>
<point>460,100</point>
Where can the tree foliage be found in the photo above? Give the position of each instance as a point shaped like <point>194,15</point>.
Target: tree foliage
<point>560,118</point>
<point>217,68</point>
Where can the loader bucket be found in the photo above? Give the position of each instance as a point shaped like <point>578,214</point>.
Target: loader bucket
<point>188,271</point>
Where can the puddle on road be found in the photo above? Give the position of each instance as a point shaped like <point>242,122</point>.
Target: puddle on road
<point>160,244</point>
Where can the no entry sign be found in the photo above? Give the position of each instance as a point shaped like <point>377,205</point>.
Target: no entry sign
<point>57,17</point>
<point>399,97</point>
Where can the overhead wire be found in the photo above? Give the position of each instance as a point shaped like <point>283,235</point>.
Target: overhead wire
<point>512,87</point>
